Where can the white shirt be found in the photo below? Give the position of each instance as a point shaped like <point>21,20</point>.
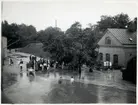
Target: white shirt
<point>104,63</point>
<point>45,64</point>
<point>110,63</point>
<point>30,69</point>
<point>72,80</point>
<point>107,63</point>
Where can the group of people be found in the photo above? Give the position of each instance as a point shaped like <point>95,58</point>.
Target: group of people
<point>36,64</point>
<point>71,80</point>
<point>20,63</point>
<point>107,64</point>
<point>39,64</point>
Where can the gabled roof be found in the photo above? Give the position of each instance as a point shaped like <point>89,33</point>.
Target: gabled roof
<point>123,36</point>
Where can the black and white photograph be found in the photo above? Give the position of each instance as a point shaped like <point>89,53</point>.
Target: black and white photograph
<point>69,52</point>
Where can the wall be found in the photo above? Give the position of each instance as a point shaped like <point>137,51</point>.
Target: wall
<point>114,41</point>
<point>4,46</point>
<point>113,50</point>
<point>124,52</point>
<point>130,53</point>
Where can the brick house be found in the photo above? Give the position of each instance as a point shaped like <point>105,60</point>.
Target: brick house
<point>117,46</point>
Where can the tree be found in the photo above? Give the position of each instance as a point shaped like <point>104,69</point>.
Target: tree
<point>5,28</point>
<point>68,47</point>
<point>106,22</point>
<point>27,32</point>
<point>10,31</point>
<point>48,35</point>
<point>132,25</point>
<point>121,20</point>
<point>117,21</point>
<point>18,35</point>
<point>52,41</point>
<point>82,44</point>
<point>75,30</point>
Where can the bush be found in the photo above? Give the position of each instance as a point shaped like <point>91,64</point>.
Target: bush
<point>99,65</point>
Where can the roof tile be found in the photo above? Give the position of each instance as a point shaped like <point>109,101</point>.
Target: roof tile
<point>124,36</point>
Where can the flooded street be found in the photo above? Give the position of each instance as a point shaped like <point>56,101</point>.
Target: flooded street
<point>46,88</point>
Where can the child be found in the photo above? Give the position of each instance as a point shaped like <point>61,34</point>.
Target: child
<point>60,80</point>
<point>41,66</point>
<point>10,61</point>
<point>72,79</point>
<point>48,66</point>
<point>31,71</point>
<point>21,64</point>
<point>45,66</point>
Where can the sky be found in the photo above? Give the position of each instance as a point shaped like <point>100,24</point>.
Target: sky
<point>42,14</point>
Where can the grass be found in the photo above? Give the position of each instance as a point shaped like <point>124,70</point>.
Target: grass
<point>35,49</point>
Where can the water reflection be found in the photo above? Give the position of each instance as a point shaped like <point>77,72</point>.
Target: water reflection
<point>53,87</point>
<point>55,74</point>
<point>9,79</point>
<point>31,78</point>
<point>60,80</point>
<point>21,74</point>
<point>47,74</point>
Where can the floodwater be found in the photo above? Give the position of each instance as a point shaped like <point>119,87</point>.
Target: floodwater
<point>47,87</point>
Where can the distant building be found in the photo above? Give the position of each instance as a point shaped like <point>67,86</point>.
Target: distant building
<point>4,47</point>
<point>117,46</point>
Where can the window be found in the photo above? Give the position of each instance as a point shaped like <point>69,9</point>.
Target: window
<point>107,57</point>
<point>115,59</point>
<point>107,40</point>
<point>101,56</point>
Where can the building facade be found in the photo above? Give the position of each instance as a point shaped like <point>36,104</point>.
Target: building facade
<point>117,46</point>
<point>4,47</point>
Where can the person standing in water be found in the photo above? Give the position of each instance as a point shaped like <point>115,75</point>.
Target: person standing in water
<point>21,64</point>
<point>62,65</point>
<point>45,65</point>
<point>10,61</point>
<point>72,80</point>
<point>30,57</point>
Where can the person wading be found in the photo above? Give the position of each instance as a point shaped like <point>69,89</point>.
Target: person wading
<point>21,65</point>
<point>10,61</point>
